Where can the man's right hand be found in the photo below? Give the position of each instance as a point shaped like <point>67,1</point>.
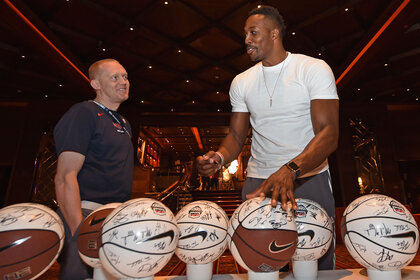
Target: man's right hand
<point>208,164</point>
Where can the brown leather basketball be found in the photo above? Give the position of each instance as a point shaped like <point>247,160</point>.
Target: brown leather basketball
<point>31,238</point>
<point>26,253</point>
<point>89,239</point>
<point>264,250</point>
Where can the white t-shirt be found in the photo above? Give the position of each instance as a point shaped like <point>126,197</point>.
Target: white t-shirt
<point>282,131</point>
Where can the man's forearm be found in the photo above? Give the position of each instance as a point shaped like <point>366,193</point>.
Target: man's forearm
<point>232,144</point>
<point>317,150</point>
<point>230,148</point>
<point>68,198</point>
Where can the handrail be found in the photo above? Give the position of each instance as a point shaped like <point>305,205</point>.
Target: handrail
<point>175,186</point>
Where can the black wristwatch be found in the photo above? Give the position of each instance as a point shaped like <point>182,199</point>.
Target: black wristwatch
<point>293,167</point>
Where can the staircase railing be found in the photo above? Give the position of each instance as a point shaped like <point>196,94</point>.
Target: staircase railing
<point>173,191</point>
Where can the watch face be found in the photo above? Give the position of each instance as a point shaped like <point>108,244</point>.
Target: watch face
<point>293,165</point>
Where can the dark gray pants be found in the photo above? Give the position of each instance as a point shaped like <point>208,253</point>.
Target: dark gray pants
<point>72,266</point>
<point>316,188</point>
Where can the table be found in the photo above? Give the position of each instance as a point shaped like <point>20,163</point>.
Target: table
<point>408,273</point>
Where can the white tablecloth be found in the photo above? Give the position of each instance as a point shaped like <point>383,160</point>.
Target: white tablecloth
<point>408,273</point>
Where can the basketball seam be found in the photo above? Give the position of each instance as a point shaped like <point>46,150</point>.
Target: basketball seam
<point>380,245</point>
<point>126,205</point>
<point>193,249</point>
<point>58,221</point>
<point>136,221</point>
<point>317,225</point>
<point>256,250</point>
<point>34,256</point>
<point>207,205</point>
<point>179,223</point>
<point>380,217</point>
<point>135,251</point>
<point>88,232</point>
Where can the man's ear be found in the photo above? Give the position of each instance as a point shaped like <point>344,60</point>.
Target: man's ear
<point>275,34</point>
<point>95,84</point>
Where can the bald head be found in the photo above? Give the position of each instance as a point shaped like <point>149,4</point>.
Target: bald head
<point>96,68</point>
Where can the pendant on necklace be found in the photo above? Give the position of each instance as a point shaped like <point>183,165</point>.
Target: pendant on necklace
<point>271,101</point>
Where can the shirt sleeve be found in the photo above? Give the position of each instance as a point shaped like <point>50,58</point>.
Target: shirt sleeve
<point>237,99</point>
<point>74,130</point>
<point>320,81</point>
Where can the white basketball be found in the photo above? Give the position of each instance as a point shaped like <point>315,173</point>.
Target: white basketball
<point>262,238</point>
<point>380,233</point>
<point>89,238</point>
<point>315,230</point>
<point>202,232</point>
<point>138,238</point>
<point>31,238</point>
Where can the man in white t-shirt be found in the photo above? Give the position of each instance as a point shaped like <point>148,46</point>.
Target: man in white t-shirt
<point>291,102</point>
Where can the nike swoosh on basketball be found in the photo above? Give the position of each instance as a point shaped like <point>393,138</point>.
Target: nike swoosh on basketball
<point>96,221</point>
<point>309,232</point>
<point>411,234</point>
<point>274,248</point>
<point>15,243</point>
<point>202,233</point>
<point>169,233</point>
<point>100,114</point>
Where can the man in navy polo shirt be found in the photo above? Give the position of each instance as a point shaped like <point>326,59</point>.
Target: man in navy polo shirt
<point>95,158</point>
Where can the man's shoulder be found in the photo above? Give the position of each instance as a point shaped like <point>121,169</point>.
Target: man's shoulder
<point>250,71</point>
<point>303,60</point>
<point>84,107</point>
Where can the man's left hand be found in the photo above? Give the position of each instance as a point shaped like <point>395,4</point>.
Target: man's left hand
<point>281,185</point>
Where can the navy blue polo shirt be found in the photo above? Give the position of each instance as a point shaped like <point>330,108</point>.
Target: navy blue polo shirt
<point>107,173</point>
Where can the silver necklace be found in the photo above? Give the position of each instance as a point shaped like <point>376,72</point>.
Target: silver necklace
<point>275,85</point>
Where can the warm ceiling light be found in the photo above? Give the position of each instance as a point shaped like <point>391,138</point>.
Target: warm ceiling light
<point>386,64</point>
<point>150,66</point>
<point>346,9</point>
<point>358,89</point>
<point>103,49</point>
<point>217,92</point>
<point>60,85</point>
<point>293,33</point>
<point>187,81</point>
<point>166,2</point>
<point>179,50</point>
<point>131,28</point>
<point>172,109</point>
<point>218,110</point>
<point>259,6</point>
<point>46,95</point>
<point>417,99</point>
<point>319,54</point>
<point>141,101</point>
<point>371,99</point>
<point>22,56</point>
<point>193,102</point>
<point>408,89</point>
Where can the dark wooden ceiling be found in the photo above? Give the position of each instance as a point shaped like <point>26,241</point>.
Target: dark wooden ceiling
<point>181,55</point>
